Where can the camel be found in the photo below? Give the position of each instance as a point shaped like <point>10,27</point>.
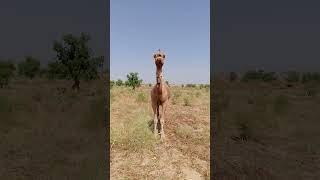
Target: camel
<point>160,95</point>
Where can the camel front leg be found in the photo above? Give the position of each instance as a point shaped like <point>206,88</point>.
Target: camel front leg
<point>162,120</point>
<point>155,120</point>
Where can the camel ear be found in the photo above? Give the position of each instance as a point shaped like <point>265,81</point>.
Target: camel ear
<point>154,56</point>
<point>164,56</point>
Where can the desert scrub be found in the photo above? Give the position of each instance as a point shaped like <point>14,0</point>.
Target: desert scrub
<point>141,97</point>
<point>281,104</point>
<point>96,116</point>
<point>186,101</point>
<point>244,125</point>
<point>260,103</point>
<point>175,97</point>
<point>133,135</point>
<point>184,131</point>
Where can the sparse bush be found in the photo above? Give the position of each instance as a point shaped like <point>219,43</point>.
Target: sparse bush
<point>30,67</point>
<point>182,85</point>
<point>167,82</point>
<point>186,101</point>
<point>133,80</point>
<point>6,72</point>
<point>184,131</point>
<point>141,97</point>
<point>111,83</point>
<point>233,76</point>
<point>119,82</point>
<point>244,126</point>
<point>259,75</point>
<point>150,85</point>
<point>57,70</point>
<point>191,85</point>
<point>292,77</point>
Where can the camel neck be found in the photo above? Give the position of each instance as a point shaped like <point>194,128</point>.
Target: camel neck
<point>160,85</point>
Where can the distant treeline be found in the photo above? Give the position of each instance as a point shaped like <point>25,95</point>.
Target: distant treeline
<point>264,76</point>
<point>74,61</point>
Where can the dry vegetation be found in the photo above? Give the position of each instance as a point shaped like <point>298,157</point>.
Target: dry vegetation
<point>267,130</point>
<point>48,131</point>
<point>137,154</point>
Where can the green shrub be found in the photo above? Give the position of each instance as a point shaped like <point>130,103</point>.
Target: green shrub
<point>187,101</point>
<point>119,82</point>
<point>141,97</point>
<point>30,67</point>
<point>7,69</point>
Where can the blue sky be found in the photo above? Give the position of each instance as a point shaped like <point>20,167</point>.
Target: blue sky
<point>180,28</point>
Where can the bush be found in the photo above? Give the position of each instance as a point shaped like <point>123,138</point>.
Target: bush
<point>244,126</point>
<point>259,75</point>
<point>6,72</point>
<point>191,85</point>
<point>119,82</point>
<point>57,70</point>
<point>187,101</point>
<point>233,76</point>
<point>292,77</point>
<point>111,83</point>
<point>141,97</point>
<point>30,67</point>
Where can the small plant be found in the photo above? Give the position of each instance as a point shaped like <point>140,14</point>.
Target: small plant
<point>186,101</point>
<point>150,85</point>
<point>141,97</point>
<point>184,131</point>
<point>244,126</point>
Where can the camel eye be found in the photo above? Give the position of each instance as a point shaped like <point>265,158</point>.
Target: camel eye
<point>164,56</point>
<point>154,56</point>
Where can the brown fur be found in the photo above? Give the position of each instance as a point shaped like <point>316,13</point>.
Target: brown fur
<point>160,94</point>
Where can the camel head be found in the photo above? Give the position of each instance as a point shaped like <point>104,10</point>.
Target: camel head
<point>159,58</point>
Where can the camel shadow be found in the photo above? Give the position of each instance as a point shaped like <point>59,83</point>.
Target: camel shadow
<point>151,125</point>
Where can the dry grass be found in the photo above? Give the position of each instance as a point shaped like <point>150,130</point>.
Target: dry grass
<point>49,132</point>
<point>266,132</point>
<point>137,154</point>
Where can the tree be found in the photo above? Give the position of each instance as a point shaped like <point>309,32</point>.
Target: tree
<point>57,70</point>
<point>75,54</point>
<point>30,67</point>
<point>119,82</point>
<point>133,80</point>
<point>7,69</point>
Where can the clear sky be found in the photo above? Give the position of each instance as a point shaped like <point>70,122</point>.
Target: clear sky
<point>180,28</point>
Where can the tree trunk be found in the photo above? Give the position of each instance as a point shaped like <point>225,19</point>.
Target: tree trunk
<point>76,84</point>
